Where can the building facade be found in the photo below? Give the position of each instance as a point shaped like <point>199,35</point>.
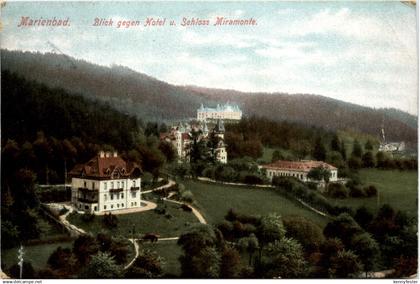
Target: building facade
<point>105,183</point>
<point>225,112</point>
<point>181,138</point>
<point>298,169</point>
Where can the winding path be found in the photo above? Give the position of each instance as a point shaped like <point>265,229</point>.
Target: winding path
<point>74,230</point>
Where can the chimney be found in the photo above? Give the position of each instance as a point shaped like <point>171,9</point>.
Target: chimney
<point>101,154</point>
<point>115,154</point>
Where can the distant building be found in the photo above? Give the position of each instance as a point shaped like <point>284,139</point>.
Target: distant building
<point>105,183</point>
<point>392,147</point>
<point>298,169</point>
<point>225,112</point>
<point>180,138</point>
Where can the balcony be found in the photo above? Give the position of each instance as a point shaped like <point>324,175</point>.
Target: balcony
<point>87,200</point>
<point>133,188</point>
<point>116,189</point>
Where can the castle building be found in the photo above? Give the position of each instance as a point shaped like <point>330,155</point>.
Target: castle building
<point>225,112</point>
<point>298,169</point>
<point>105,183</point>
<point>180,137</point>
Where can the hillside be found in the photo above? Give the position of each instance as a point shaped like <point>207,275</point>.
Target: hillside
<point>151,99</point>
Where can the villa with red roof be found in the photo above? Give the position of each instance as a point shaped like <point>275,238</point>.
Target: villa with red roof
<point>105,183</point>
<point>298,169</point>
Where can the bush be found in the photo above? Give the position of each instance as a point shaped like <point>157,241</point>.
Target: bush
<point>253,179</point>
<point>110,221</point>
<point>187,196</point>
<point>87,217</point>
<point>354,163</point>
<point>357,191</point>
<point>371,191</point>
<point>209,173</point>
<point>337,190</point>
<point>160,209</point>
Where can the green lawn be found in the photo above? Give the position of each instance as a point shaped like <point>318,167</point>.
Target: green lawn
<point>143,222</point>
<point>398,188</point>
<point>214,201</point>
<point>170,252</point>
<point>38,254</point>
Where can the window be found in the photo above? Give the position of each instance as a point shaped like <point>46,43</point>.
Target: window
<point>122,204</point>
<point>122,195</point>
<point>84,184</point>
<point>122,184</point>
<point>86,207</point>
<point>118,184</point>
<point>104,207</point>
<point>93,185</point>
<point>112,196</point>
<point>133,194</point>
<point>118,196</point>
<point>112,184</point>
<point>105,196</point>
<point>96,208</point>
<point>118,205</point>
<point>134,183</point>
<point>105,184</point>
<point>112,206</point>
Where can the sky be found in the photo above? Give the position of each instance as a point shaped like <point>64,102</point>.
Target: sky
<point>359,52</point>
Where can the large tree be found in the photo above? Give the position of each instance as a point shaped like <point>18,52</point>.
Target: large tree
<point>101,266</point>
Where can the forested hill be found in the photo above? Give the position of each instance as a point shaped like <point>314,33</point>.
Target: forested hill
<point>151,99</point>
<point>28,108</point>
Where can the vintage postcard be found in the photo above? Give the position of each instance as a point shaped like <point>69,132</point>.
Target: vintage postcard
<point>209,140</point>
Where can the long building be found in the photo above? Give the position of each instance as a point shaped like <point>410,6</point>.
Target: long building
<point>105,183</point>
<point>298,169</point>
<point>225,112</point>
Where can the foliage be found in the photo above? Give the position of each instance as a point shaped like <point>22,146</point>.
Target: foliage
<point>320,173</point>
<point>345,265</point>
<point>284,258</point>
<point>101,266</point>
<point>230,263</point>
<point>110,220</point>
<point>28,272</point>
<point>84,247</point>
<point>337,190</point>
<point>270,229</point>
<point>147,265</point>
<point>308,234</point>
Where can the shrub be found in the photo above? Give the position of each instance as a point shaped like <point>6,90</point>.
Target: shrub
<point>337,190</point>
<point>357,191</point>
<point>371,191</point>
<point>354,163</point>
<point>187,196</point>
<point>110,221</point>
<point>208,172</point>
<point>160,209</point>
<point>87,217</point>
<point>252,179</point>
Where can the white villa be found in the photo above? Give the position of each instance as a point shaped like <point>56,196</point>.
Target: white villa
<point>105,183</point>
<point>225,112</point>
<point>298,169</point>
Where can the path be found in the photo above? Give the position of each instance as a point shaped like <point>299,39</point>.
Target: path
<point>194,211</point>
<point>169,184</point>
<point>136,250</point>
<point>73,230</point>
<point>149,206</point>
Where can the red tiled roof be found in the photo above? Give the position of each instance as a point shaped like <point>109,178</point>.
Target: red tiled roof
<point>304,166</point>
<point>104,166</point>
